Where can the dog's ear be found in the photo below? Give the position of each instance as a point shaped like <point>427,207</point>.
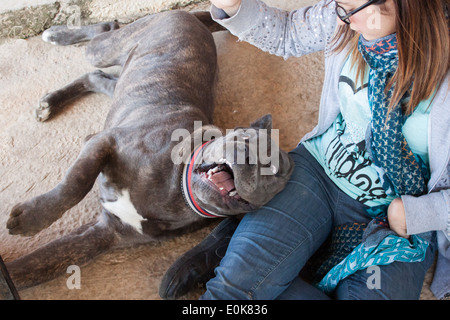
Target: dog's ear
<point>286,166</point>
<point>265,122</point>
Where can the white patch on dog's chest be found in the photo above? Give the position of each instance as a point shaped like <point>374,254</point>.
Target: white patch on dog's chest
<point>124,209</point>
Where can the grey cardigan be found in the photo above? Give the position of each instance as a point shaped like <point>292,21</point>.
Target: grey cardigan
<point>311,29</point>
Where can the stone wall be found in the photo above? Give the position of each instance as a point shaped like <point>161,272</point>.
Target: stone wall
<point>27,18</point>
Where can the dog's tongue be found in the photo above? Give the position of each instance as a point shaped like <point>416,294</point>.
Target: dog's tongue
<point>223,180</point>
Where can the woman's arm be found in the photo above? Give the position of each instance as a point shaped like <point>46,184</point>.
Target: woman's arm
<point>428,212</point>
<point>230,7</point>
<point>277,31</point>
<point>412,215</point>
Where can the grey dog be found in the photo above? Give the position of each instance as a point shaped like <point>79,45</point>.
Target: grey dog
<point>151,187</point>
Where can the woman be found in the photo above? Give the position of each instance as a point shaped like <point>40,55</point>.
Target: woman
<point>373,174</point>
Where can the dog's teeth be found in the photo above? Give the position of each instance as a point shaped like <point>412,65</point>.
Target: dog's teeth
<point>232,193</point>
<point>214,170</point>
<point>220,189</point>
<point>225,161</point>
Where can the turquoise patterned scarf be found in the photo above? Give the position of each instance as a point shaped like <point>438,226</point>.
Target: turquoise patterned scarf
<point>401,173</point>
<point>390,151</point>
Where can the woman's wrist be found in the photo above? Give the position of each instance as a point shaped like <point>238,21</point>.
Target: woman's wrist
<point>231,11</point>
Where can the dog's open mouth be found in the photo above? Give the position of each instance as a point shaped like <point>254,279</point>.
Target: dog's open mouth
<point>221,176</point>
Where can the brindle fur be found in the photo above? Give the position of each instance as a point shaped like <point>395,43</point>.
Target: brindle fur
<point>166,83</point>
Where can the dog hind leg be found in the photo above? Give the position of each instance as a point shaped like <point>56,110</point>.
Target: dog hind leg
<point>53,102</point>
<point>64,35</point>
<point>113,48</point>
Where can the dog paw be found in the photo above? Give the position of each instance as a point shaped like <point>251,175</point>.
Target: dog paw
<point>25,220</point>
<point>56,35</point>
<point>64,35</point>
<point>109,26</point>
<point>43,110</point>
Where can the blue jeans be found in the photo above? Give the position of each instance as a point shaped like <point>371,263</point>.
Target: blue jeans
<point>271,245</point>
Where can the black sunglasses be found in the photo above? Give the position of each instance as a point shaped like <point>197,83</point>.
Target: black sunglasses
<point>345,16</point>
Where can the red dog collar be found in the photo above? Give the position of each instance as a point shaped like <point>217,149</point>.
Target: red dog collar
<point>186,186</point>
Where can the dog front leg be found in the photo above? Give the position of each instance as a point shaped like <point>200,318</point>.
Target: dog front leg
<point>32,216</point>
